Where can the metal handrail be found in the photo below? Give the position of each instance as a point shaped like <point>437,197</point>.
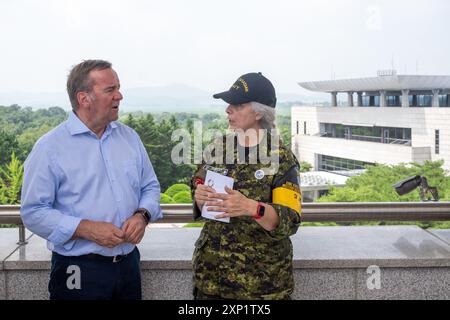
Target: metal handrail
<point>311,212</point>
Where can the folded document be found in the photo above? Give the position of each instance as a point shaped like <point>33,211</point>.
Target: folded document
<point>218,183</point>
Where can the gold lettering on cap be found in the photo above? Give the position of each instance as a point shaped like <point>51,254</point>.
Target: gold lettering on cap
<point>244,84</point>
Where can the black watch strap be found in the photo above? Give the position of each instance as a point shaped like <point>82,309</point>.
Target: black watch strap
<point>144,213</point>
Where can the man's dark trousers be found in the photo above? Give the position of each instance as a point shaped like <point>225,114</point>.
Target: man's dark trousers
<point>93,277</point>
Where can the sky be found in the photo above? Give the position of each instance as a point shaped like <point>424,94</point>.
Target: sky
<point>208,44</point>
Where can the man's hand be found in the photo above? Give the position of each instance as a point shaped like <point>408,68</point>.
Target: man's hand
<point>232,203</point>
<point>104,234</point>
<point>134,229</point>
<point>201,194</point>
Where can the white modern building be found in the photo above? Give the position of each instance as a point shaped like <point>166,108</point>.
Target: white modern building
<point>387,119</point>
<point>315,184</point>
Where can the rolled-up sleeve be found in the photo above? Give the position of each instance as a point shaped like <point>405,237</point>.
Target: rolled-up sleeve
<point>289,222</point>
<point>199,175</point>
<point>38,197</point>
<point>150,188</point>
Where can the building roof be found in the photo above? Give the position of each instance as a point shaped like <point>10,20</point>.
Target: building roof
<point>388,83</point>
<point>320,180</point>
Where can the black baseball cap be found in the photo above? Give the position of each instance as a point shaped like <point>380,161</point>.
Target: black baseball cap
<point>250,87</point>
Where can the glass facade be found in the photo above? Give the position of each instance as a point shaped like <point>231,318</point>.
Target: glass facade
<point>370,101</point>
<point>420,100</point>
<point>444,100</point>
<point>373,134</point>
<point>394,99</point>
<point>329,163</point>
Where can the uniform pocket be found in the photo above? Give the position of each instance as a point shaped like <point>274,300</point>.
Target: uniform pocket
<point>201,241</point>
<point>198,256</point>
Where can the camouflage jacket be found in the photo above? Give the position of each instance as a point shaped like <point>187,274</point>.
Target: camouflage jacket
<point>240,259</point>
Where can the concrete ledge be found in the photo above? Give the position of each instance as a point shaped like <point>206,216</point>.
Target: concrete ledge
<point>329,263</point>
<point>443,234</point>
<point>360,247</point>
<point>2,285</point>
<point>8,243</point>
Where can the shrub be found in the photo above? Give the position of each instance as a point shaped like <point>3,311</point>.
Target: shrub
<point>176,188</point>
<point>183,197</point>
<point>165,199</point>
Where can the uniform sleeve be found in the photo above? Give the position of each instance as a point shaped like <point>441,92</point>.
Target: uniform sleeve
<point>197,178</point>
<point>286,199</point>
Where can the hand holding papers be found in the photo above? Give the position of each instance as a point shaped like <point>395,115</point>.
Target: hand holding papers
<point>217,182</point>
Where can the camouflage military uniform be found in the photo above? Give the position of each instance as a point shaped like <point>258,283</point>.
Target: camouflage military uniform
<point>240,259</point>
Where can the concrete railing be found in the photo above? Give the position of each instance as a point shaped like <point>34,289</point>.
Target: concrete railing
<point>311,212</point>
<point>329,262</point>
<point>359,262</point>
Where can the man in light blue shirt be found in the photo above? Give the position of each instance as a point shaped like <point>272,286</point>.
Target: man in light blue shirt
<point>90,190</point>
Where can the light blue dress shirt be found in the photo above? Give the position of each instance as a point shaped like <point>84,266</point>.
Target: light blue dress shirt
<point>72,175</point>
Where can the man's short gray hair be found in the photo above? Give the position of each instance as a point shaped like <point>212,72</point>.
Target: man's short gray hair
<point>268,115</point>
<point>79,79</point>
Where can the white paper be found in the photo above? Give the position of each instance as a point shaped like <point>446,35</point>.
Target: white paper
<point>218,183</point>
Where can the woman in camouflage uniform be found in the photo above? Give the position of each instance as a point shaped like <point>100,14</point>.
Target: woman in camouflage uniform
<point>251,256</point>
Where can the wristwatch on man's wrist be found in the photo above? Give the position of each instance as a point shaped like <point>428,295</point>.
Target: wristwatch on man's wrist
<point>145,214</point>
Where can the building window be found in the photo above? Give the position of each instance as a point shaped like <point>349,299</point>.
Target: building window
<point>443,101</point>
<point>393,101</point>
<point>298,129</point>
<point>436,141</point>
<point>329,163</point>
<point>304,127</point>
<point>420,100</point>
<point>370,101</point>
<point>389,135</point>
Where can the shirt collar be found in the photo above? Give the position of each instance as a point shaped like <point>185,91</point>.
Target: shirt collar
<point>76,126</point>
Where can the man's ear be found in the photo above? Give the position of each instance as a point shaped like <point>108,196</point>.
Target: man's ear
<point>83,99</point>
<point>258,116</point>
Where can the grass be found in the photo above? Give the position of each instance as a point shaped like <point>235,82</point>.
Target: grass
<point>423,224</point>
<point>194,225</point>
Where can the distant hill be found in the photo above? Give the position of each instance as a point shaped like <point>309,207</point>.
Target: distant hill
<point>171,98</point>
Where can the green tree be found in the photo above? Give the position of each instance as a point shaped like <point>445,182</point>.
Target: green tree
<point>8,145</point>
<point>305,166</point>
<point>21,127</point>
<point>375,185</point>
<point>284,129</point>
<point>157,139</point>
<point>130,121</point>
<point>11,177</point>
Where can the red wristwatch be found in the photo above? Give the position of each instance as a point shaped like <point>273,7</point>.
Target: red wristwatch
<point>260,209</point>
